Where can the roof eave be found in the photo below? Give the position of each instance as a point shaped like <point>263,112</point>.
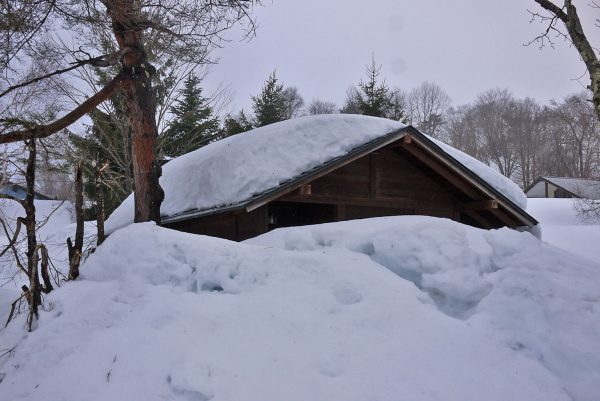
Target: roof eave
<point>483,185</point>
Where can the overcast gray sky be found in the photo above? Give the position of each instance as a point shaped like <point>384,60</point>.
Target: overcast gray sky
<point>466,46</point>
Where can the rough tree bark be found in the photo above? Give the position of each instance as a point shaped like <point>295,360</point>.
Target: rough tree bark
<point>187,30</point>
<point>141,110</point>
<point>568,15</point>
<point>76,250</point>
<point>35,297</point>
<point>100,202</point>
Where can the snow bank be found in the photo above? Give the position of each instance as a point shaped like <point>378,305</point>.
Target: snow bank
<point>55,222</point>
<point>536,299</point>
<point>555,211</point>
<point>411,308</point>
<point>234,169</point>
<point>50,214</point>
<point>564,228</point>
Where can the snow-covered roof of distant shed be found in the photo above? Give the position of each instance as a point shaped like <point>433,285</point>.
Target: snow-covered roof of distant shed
<point>582,187</point>
<point>233,171</point>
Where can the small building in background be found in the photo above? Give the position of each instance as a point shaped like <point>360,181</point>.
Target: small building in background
<point>19,191</point>
<point>564,187</point>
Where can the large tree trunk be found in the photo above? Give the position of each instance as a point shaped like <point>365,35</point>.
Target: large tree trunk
<point>35,297</point>
<point>141,109</point>
<point>76,251</point>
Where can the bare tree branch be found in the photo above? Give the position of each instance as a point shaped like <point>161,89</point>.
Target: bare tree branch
<point>43,131</point>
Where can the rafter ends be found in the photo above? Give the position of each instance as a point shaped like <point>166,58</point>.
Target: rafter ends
<point>487,204</point>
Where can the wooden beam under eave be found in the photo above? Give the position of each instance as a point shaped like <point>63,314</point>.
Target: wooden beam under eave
<point>396,203</point>
<point>480,205</point>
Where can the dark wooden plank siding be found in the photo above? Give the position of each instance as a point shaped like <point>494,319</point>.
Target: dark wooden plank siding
<point>252,223</point>
<point>382,182</point>
<point>351,180</point>
<point>232,226</point>
<point>221,225</point>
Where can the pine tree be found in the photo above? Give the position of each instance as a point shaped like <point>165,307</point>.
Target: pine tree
<point>193,125</point>
<point>270,105</point>
<point>374,98</point>
<point>106,140</point>
<point>235,125</point>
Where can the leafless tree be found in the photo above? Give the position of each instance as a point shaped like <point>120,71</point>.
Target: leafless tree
<point>567,16</point>
<point>186,30</point>
<point>461,131</point>
<point>321,107</point>
<point>529,138</point>
<point>426,106</point>
<point>574,137</point>
<point>493,110</point>
<point>294,101</point>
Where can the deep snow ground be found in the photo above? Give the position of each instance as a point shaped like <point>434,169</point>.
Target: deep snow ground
<point>564,228</point>
<point>56,222</point>
<point>414,308</point>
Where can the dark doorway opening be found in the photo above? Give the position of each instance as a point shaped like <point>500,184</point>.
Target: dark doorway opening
<point>288,214</point>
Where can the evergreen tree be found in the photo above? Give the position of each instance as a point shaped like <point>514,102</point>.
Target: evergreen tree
<point>193,125</point>
<point>109,136</point>
<point>270,105</point>
<point>107,139</point>
<point>235,125</point>
<point>374,98</point>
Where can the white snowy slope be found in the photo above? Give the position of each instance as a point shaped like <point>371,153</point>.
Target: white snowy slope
<point>234,169</point>
<point>563,227</point>
<point>536,299</point>
<point>55,223</point>
<point>50,214</point>
<point>326,312</point>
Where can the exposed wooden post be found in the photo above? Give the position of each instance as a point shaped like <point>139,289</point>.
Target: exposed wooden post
<point>306,189</point>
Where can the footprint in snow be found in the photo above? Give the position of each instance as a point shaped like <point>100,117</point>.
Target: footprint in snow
<point>346,295</point>
<point>188,394</point>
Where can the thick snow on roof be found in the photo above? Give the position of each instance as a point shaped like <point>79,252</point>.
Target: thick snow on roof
<point>232,170</point>
<point>504,185</point>
<point>586,188</point>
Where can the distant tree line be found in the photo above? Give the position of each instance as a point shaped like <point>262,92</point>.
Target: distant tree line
<point>521,138</point>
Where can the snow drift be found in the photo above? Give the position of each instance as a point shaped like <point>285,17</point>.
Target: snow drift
<point>54,224</point>
<point>412,308</point>
<point>564,227</point>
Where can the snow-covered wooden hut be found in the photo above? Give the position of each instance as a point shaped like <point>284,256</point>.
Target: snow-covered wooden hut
<point>564,187</point>
<point>328,168</point>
